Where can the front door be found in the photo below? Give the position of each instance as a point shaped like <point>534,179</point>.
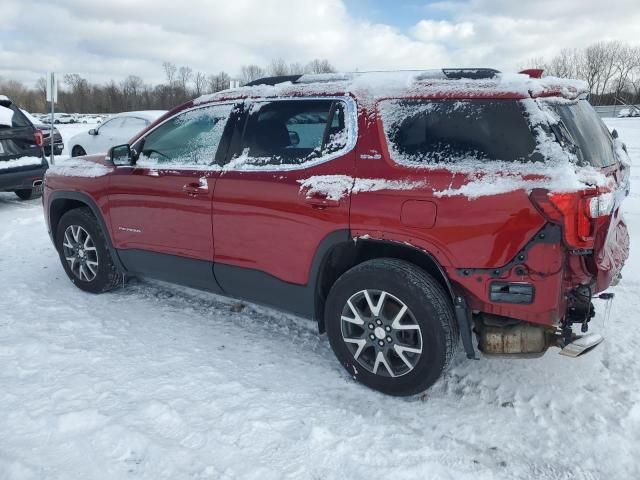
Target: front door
<point>161,208</point>
<point>285,190</point>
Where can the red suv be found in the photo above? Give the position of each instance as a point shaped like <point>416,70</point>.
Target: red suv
<point>404,212</point>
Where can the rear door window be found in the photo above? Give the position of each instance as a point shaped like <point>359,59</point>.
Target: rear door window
<point>292,132</point>
<point>452,131</point>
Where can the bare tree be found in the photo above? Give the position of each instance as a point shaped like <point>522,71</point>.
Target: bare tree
<point>200,82</point>
<point>627,62</point>
<point>184,77</point>
<point>320,66</point>
<point>218,82</point>
<point>278,67</point>
<point>170,72</point>
<point>249,73</point>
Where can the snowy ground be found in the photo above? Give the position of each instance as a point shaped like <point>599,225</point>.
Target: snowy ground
<point>154,381</point>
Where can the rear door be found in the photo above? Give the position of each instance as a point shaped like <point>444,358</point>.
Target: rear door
<point>162,205</point>
<point>285,190</point>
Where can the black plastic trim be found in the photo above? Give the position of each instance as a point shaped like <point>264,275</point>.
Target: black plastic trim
<point>260,287</point>
<point>550,233</point>
<point>511,292</point>
<point>185,271</point>
<point>273,80</point>
<point>21,179</point>
<point>89,202</point>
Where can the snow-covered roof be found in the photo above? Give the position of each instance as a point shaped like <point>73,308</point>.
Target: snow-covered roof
<point>372,86</point>
<point>4,98</point>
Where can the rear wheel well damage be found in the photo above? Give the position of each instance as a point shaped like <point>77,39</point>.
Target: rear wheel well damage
<point>347,255</point>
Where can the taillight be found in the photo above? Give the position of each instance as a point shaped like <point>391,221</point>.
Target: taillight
<point>37,137</point>
<point>577,212</point>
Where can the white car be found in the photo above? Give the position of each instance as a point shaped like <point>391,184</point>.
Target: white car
<point>63,118</point>
<point>116,130</point>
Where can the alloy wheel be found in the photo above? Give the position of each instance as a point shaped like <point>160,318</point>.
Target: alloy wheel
<point>381,333</point>
<point>80,253</point>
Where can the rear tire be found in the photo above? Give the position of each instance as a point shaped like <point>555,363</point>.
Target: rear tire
<point>78,151</point>
<point>84,252</point>
<point>409,334</point>
<point>27,194</point>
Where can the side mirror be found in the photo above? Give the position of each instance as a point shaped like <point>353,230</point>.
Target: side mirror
<point>93,131</point>
<point>121,155</point>
<point>294,138</point>
<point>614,133</point>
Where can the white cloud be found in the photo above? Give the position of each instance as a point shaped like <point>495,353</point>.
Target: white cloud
<point>442,30</point>
<point>111,39</point>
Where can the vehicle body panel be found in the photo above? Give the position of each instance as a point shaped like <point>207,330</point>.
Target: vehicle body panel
<point>263,222</point>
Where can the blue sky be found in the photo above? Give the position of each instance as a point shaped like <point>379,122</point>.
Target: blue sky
<point>401,14</point>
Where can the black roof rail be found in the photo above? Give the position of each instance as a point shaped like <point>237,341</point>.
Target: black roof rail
<point>470,73</point>
<point>445,73</point>
<point>273,80</point>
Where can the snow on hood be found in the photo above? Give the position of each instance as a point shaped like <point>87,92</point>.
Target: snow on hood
<point>20,162</point>
<point>79,167</point>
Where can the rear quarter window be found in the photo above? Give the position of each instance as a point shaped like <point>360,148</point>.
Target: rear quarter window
<point>422,132</point>
<point>18,119</point>
<point>587,132</point>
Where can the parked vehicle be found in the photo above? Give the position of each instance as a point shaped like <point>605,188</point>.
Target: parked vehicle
<point>117,129</point>
<point>630,111</point>
<point>63,118</point>
<point>403,212</point>
<point>22,164</point>
<point>58,144</point>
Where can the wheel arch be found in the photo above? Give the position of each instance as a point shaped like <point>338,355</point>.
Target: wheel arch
<point>77,145</point>
<point>62,202</point>
<point>344,255</point>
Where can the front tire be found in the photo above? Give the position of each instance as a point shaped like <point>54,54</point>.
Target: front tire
<point>391,325</point>
<point>84,253</point>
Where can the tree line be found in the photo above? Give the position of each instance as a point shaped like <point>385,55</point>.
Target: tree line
<point>611,69</point>
<point>78,95</point>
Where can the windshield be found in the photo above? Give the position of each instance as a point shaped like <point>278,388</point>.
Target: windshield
<point>587,132</point>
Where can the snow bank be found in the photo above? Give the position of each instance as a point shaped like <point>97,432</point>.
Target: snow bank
<point>20,162</point>
<point>337,186</point>
<point>77,167</point>
<point>6,116</point>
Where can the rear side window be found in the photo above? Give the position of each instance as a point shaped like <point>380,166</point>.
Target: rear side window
<point>111,126</point>
<point>450,131</point>
<point>292,132</point>
<point>10,111</point>
<point>134,124</point>
<point>588,132</point>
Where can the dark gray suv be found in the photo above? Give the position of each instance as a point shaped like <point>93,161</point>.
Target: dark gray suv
<point>22,162</point>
